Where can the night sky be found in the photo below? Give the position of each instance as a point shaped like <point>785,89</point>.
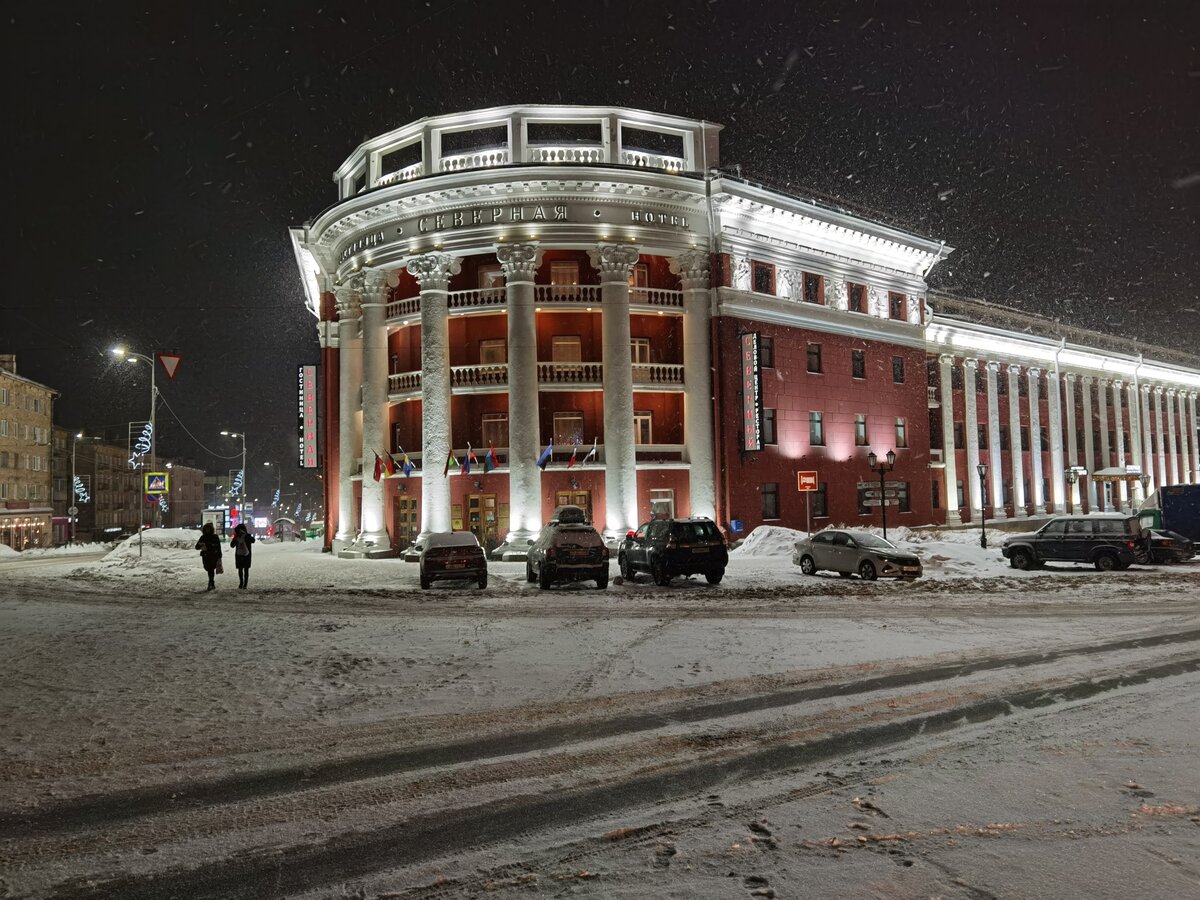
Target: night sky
<point>159,156</point>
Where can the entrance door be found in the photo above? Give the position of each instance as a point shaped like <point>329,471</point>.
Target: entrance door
<point>407,523</point>
<point>582,499</point>
<point>481,520</point>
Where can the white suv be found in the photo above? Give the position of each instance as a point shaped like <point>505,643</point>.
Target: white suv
<point>567,551</point>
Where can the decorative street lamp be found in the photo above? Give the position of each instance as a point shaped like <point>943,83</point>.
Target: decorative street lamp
<point>278,482</point>
<point>242,492</point>
<point>123,353</point>
<point>1072,477</point>
<point>982,470</point>
<point>875,465</point>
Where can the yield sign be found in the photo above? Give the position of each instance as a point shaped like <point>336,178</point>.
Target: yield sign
<point>170,363</point>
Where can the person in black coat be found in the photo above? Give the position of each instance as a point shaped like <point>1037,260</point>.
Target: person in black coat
<point>241,543</point>
<point>209,546</point>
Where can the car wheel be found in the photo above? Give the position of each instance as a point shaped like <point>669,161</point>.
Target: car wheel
<point>602,582</point>
<point>425,583</point>
<point>808,565</point>
<point>1106,562</point>
<point>866,570</point>
<point>715,577</point>
<point>1020,559</point>
<point>529,576</point>
<point>658,569</point>
<point>543,578</point>
<point>626,569</point>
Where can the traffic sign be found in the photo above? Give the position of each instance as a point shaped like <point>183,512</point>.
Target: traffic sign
<point>72,510</point>
<point>156,482</point>
<point>806,481</point>
<point>170,363</point>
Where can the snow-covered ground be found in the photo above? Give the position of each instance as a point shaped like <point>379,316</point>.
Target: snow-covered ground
<point>123,673</point>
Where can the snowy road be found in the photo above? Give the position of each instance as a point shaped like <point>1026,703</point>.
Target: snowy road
<point>963,736</point>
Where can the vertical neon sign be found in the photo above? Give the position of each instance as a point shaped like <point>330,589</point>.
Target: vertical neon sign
<point>751,393</point>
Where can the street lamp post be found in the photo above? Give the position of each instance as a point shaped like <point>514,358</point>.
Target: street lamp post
<point>73,509</point>
<point>876,465</point>
<point>982,470</point>
<point>242,499</point>
<point>123,353</point>
<point>278,483</point>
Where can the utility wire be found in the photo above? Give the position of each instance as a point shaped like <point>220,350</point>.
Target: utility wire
<point>199,443</point>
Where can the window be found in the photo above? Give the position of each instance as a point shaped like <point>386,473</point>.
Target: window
<point>1022,387</point>
<point>1025,444</point>
<point>902,490</point>
<point>956,377</point>
<point>959,493</point>
<point>858,364</point>
<point>770,501</point>
<point>1046,489</point>
<point>857,296</point>
<point>820,501</point>
<point>493,353</point>
<point>662,503</point>
<point>980,380</point>
<point>768,431</point>
<point>983,436</point>
<point>860,430</point>
<point>566,349</point>
<point>814,358</point>
<point>3,427</point>
<point>896,305</point>
<point>568,428</point>
<point>935,494</point>
<point>639,277</point>
<point>898,370</point>
<point>639,350</point>
<point>766,352</point>
<point>816,430</point>
<point>564,272</point>
<point>1003,437</point>
<point>1045,444</point>
<point>3,396</point>
<point>901,433</point>
<point>1002,386</point>
<point>1007,493</point>
<point>812,288</point>
<point>642,427</point>
<point>495,429</point>
<point>491,276</point>
<point>960,440</point>
<point>763,275</point>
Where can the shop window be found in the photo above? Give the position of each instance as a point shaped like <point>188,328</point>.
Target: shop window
<point>490,276</point>
<point>662,503</point>
<point>816,429</point>
<point>769,433</point>
<point>898,370</point>
<point>643,427</point>
<point>812,288</point>
<point>770,501</point>
<point>901,433</point>
<point>814,358</point>
<point>568,428</point>
<point>820,501</point>
<point>858,363</point>
<point>860,430</point>
<point>763,275</point>
<point>766,352</point>
<point>493,352</point>
<point>857,295</point>
<point>495,429</point>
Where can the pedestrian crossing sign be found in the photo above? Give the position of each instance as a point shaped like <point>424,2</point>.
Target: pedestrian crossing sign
<point>156,482</point>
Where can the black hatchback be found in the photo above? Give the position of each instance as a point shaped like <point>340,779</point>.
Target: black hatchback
<point>668,547</point>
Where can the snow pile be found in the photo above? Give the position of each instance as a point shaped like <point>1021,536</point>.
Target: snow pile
<point>164,554</point>
<point>770,540</point>
<point>72,550</point>
<point>7,551</point>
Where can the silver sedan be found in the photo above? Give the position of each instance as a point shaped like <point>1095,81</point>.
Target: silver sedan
<point>850,552</point>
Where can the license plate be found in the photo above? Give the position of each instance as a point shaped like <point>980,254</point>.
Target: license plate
<point>456,565</point>
<point>912,569</point>
<point>578,554</point>
<point>699,549</point>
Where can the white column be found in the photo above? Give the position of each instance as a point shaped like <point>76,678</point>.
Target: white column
<point>1054,414</point>
<point>1135,440</point>
<point>974,488</point>
<point>520,262</point>
<point>1161,433</point>
<point>1035,442</point>
<point>1148,467</point>
<point>1089,444</point>
<point>1120,487</point>
<point>1014,440</point>
<point>433,271</point>
<point>1172,455</point>
<point>350,367</point>
<point>949,454</point>
<point>1105,457</point>
<point>1185,443</point>
<point>1194,432</point>
<point>372,534</point>
<point>1072,438</point>
<point>615,262</point>
<point>995,453</point>
<point>692,268</point>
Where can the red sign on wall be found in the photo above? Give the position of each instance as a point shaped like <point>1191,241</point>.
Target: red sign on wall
<point>806,481</point>
<point>308,417</point>
<point>751,393</point>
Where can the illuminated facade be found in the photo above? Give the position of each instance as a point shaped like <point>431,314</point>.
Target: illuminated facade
<point>26,411</point>
<point>545,280</point>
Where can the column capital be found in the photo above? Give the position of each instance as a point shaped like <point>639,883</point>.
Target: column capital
<point>1071,378</point>
<point>946,359</point>
<point>1051,374</point>
<point>971,362</point>
<point>692,267</point>
<point>349,300</point>
<point>1117,384</point>
<point>1101,382</point>
<point>520,260</point>
<point>993,366</point>
<point>433,270</point>
<point>1014,370</point>
<point>1193,394</point>
<point>1146,388</point>
<point>1089,380</point>
<point>376,283</point>
<point>1159,389</point>
<point>615,261</point>
<point>1035,372</point>
<point>1170,391</point>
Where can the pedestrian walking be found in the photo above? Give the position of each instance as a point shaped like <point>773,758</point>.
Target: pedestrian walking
<point>209,546</point>
<point>241,543</point>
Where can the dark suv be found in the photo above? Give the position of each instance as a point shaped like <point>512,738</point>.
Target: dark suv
<point>1107,541</point>
<point>567,550</point>
<point>669,547</point>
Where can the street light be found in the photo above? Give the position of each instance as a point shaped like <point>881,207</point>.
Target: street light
<point>73,509</point>
<point>875,465</point>
<point>123,353</point>
<point>278,482</point>
<point>982,470</point>
<point>242,501</point>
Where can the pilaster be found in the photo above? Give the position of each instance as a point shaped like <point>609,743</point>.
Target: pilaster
<point>1148,466</point>
<point>1105,460</point>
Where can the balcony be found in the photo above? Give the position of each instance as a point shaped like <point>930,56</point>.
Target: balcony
<point>408,173</point>
<point>479,159</point>
<point>672,164</point>
<point>582,155</point>
<point>566,296</point>
<point>555,376</point>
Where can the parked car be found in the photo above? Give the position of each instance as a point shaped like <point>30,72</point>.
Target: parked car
<point>567,550</point>
<point>1106,541</point>
<point>669,547</point>
<point>849,552</point>
<point>1169,547</point>
<point>456,554</point>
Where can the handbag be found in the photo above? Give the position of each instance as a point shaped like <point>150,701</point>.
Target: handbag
<point>220,569</point>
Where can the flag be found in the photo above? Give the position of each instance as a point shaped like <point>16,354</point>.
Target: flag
<point>406,465</point>
<point>545,457</point>
<point>468,459</point>
<point>489,461</point>
<point>451,460</point>
<point>571,461</point>
<point>389,464</point>
<point>378,466</point>
<point>592,453</point>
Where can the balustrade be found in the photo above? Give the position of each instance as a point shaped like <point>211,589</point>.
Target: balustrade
<point>408,173</point>
<point>477,160</point>
<point>477,299</point>
<point>655,297</point>
<point>567,293</point>
<point>652,160</point>
<point>657,373</point>
<point>409,306</point>
<point>566,154</point>
<point>475,376</point>
<point>570,372</point>
<point>402,382</point>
